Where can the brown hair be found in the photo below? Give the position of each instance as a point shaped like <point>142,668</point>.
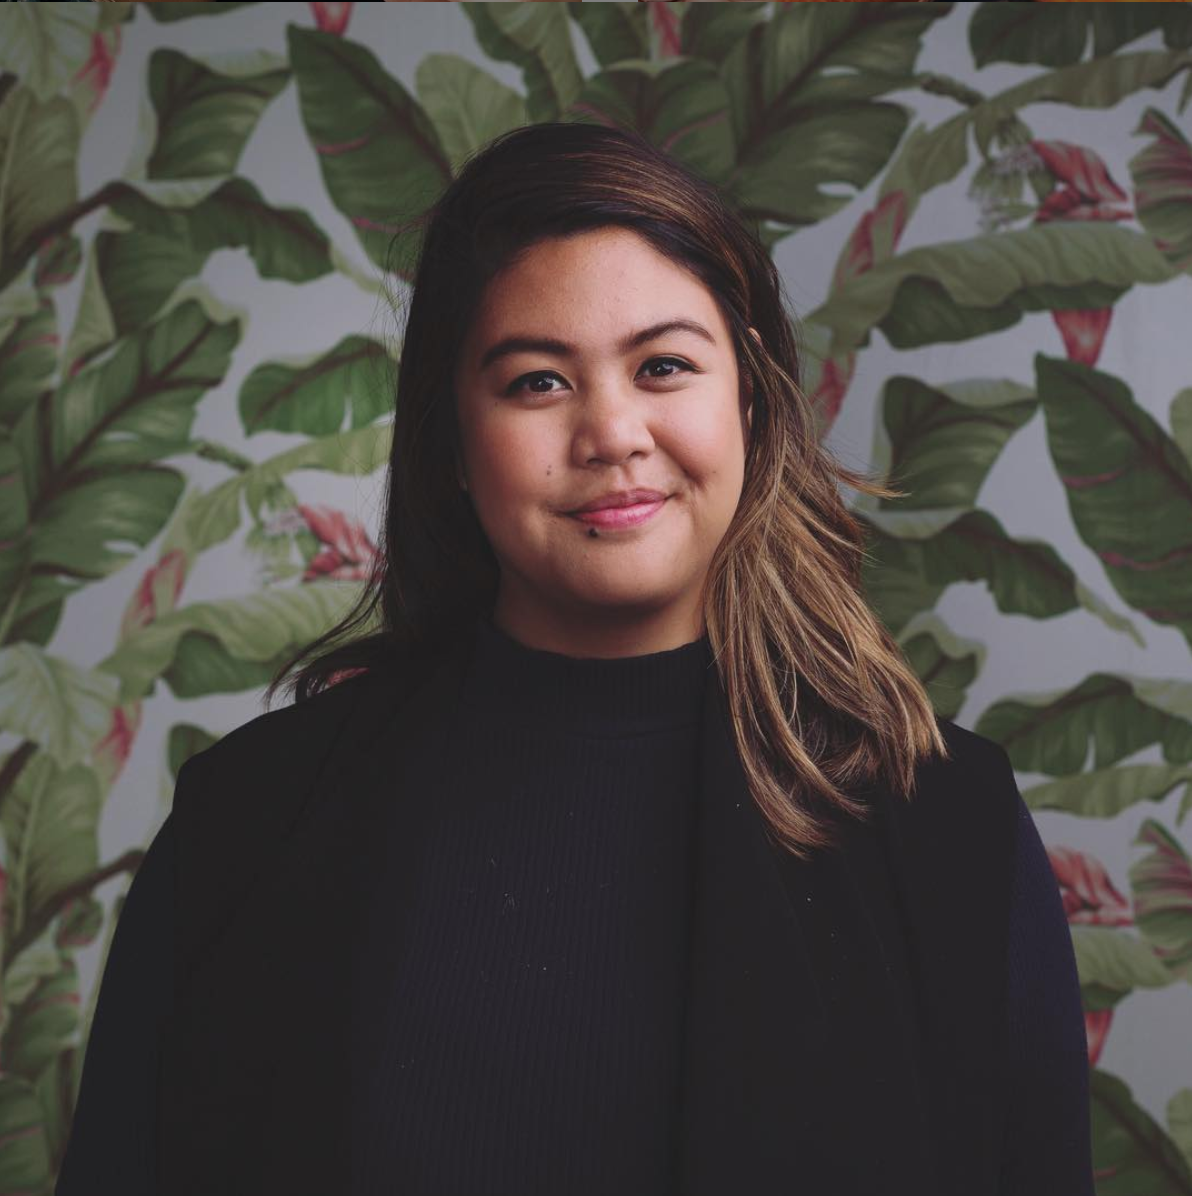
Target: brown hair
<point>821,698</point>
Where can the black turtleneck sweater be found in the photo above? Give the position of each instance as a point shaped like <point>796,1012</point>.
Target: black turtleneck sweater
<point>535,1039</point>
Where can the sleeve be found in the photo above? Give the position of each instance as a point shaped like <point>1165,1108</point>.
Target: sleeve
<point>112,1137</point>
<point>1047,1149</point>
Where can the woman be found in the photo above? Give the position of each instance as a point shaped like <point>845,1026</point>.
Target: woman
<point>628,854</point>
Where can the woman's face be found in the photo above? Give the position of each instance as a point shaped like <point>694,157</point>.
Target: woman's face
<point>557,407</point>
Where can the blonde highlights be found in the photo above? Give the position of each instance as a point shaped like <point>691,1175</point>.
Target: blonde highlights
<point>822,701</point>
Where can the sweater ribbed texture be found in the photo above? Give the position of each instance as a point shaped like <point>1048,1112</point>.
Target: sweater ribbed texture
<point>538,997</point>
<point>535,1039</point>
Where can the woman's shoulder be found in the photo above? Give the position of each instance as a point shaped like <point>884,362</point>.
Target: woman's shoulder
<point>970,750</point>
<point>299,725</point>
<point>264,766</point>
<point>971,793</point>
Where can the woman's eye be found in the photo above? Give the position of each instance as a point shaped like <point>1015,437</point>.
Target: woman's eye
<point>520,385</point>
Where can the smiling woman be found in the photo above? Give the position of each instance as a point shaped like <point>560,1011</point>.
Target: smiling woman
<point>627,854</point>
<point>656,460</point>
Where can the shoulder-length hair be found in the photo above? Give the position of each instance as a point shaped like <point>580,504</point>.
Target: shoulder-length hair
<point>821,697</point>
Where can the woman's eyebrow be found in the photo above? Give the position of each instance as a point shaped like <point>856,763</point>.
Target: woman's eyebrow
<point>557,348</point>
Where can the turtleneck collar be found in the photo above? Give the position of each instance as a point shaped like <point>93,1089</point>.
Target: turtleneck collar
<point>627,695</point>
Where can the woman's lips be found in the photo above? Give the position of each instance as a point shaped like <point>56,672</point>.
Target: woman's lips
<point>612,518</point>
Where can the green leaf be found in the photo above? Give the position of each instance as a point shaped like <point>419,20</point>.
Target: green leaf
<point>1107,958</point>
<point>40,1028</point>
<point>1181,422</point>
<point>1120,714</point>
<point>930,158</point>
<point>50,820</point>
<point>679,105</point>
<point>467,105</point>
<point>1179,1122</point>
<point>536,38</point>
<point>1162,885</point>
<point>943,441</point>
<point>1013,33</point>
<point>194,8</point>
<point>710,31</point>
<point>207,108</point>
<point>617,31</point>
<point>183,741</point>
<point>28,359</point>
<point>94,325</point>
<point>1058,36</point>
<point>1101,83</point>
<point>140,269</point>
<point>1162,174</point>
<point>40,959</point>
<point>803,89</point>
<point>989,282</point>
<point>39,145</point>
<point>1129,487</point>
<point>45,47</point>
<point>24,1157</point>
<point>62,707</point>
<point>58,261</point>
<point>227,645</point>
<point>1132,1155</point>
<point>944,662</point>
<point>209,518</point>
<point>903,576</point>
<point>80,923</point>
<point>1106,792</point>
<point>309,394</point>
<point>368,131</point>
<point>89,456</point>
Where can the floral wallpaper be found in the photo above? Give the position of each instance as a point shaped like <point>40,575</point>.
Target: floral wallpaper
<point>983,216</point>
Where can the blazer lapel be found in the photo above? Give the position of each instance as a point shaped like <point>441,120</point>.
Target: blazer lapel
<point>338,899</point>
<point>799,1041</point>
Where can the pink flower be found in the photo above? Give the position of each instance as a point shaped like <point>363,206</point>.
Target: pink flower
<point>1163,178</point>
<point>1096,1030</point>
<point>1090,897</point>
<point>884,223</point>
<point>156,592</point>
<point>110,754</point>
<point>96,73</point>
<point>332,18</point>
<point>666,30</point>
<point>345,552</point>
<point>1087,191</point>
<point>874,238</point>
<point>1083,330</point>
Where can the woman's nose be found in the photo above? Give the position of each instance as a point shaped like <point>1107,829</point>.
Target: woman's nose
<point>613,423</point>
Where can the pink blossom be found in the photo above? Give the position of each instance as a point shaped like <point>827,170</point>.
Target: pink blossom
<point>1096,1030</point>
<point>110,754</point>
<point>1083,330</point>
<point>96,73</point>
<point>345,548</point>
<point>156,592</point>
<point>332,17</point>
<point>1087,193</point>
<point>1090,897</point>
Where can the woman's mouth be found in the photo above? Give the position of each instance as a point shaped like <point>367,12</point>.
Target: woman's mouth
<point>615,518</point>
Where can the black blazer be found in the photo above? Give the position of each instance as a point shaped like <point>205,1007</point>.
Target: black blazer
<point>845,1014</point>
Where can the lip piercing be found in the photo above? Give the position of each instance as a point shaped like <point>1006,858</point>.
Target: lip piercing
<point>592,532</point>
